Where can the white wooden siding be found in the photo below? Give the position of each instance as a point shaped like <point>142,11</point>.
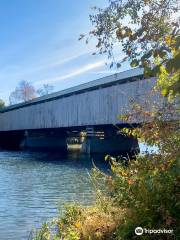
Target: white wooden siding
<point>96,107</point>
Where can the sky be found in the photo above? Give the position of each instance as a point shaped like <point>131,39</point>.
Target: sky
<point>39,43</point>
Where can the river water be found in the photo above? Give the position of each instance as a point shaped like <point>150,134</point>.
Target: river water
<point>33,186</point>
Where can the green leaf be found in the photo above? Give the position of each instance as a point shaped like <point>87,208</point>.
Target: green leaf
<point>134,63</point>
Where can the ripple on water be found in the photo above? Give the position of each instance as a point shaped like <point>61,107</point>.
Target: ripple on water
<point>34,185</point>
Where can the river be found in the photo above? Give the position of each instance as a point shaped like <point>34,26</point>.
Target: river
<point>33,186</point>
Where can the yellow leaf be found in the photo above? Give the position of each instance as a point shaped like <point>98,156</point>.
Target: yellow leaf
<point>168,40</point>
<point>164,92</point>
<point>77,224</point>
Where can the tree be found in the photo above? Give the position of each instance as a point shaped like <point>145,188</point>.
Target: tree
<point>45,90</point>
<point>144,192</point>
<point>2,103</point>
<point>24,92</point>
<point>148,33</point>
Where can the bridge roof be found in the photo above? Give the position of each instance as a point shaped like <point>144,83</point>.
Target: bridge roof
<point>118,78</point>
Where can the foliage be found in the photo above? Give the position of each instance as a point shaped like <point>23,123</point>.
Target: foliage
<point>2,103</point>
<point>149,187</point>
<point>143,192</point>
<point>78,222</point>
<point>45,90</point>
<point>42,234</point>
<point>24,92</point>
<point>147,31</point>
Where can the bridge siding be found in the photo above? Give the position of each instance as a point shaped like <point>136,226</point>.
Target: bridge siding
<point>96,107</point>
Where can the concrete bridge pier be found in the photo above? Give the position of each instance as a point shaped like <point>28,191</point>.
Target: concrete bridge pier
<point>111,144</point>
<point>44,140</point>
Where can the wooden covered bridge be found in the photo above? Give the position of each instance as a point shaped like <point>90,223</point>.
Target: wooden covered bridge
<point>45,121</point>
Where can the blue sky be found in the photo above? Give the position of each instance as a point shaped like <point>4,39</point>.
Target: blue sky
<point>39,43</point>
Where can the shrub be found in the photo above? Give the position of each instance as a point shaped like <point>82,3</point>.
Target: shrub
<point>143,192</point>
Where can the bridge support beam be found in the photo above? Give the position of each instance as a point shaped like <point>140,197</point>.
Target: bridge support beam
<point>117,144</point>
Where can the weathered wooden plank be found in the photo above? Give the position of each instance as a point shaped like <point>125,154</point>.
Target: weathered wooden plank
<point>95,107</point>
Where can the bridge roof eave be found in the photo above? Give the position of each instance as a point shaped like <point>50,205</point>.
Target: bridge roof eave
<point>120,77</point>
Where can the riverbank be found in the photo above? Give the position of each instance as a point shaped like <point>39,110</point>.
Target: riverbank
<point>138,196</point>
